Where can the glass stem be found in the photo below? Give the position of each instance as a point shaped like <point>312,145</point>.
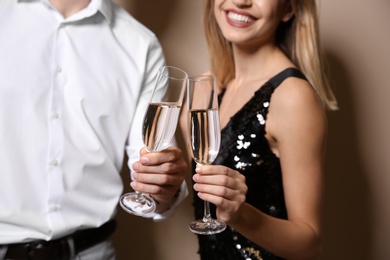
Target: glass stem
<point>206,215</point>
<point>139,196</point>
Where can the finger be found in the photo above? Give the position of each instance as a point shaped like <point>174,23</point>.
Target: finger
<point>223,204</point>
<point>165,192</point>
<point>220,191</point>
<point>217,180</point>
<point>143,151</point>
<point>162,168</point>
<point>169,168</point>
<point>159,179</point>
<point>161,165</point>
<point>171,154</point>
<point>212,169</point>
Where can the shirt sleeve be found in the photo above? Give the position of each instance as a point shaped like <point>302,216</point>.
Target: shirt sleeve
<point>154,61</point>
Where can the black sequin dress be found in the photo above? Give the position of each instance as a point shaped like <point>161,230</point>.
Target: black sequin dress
<point>244,148</point>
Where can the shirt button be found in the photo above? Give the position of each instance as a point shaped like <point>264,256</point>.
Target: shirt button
<point>55,115</point>
<point>54,162</point>
<point>54,208</point>
<point>58,69</point>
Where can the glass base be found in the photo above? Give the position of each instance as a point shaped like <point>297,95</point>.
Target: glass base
<point>137,204</point>
<point>207,227</point>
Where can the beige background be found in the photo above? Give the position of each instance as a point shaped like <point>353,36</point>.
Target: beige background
<point>356,37</point>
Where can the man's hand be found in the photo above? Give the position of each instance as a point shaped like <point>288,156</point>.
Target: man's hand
<point>160,174</point>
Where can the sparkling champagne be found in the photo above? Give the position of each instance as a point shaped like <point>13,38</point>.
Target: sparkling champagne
<point>160,125</point>
<point>204,132</point>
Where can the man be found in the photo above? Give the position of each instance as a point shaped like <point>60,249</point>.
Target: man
<point>75,79</point>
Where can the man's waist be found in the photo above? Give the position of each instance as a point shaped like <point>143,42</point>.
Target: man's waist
<point>62,248</point>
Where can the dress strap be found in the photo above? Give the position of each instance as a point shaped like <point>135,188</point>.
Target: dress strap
<point>280,77</point>
<point>276,80</point>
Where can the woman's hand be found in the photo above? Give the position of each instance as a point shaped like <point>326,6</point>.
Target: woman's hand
<point>223,187</point>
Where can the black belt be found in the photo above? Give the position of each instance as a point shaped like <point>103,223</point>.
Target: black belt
<point>60,248</point>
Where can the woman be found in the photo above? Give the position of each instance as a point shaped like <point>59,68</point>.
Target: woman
<point>267,182</point>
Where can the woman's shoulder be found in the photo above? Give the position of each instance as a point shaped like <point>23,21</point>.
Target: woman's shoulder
<point>295,102</point>
<point>295,92</point>
<point>295,106</point>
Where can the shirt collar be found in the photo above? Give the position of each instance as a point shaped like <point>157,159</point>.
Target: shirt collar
<point>104,6</point>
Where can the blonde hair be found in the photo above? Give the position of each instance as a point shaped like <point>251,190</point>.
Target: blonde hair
<point>298,38</point>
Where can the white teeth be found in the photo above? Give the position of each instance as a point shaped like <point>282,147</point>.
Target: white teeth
<point>239,18</point>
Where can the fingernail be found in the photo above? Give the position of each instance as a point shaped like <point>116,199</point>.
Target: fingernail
<point>135,166</point>
<point>144,160</point>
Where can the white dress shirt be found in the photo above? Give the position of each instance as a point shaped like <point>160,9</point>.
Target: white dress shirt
<point>72,97</point>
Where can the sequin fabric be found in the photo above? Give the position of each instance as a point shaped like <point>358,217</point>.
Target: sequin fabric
<point>245,149</point>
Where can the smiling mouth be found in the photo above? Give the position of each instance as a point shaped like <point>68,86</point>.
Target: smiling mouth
<point>239,18</point>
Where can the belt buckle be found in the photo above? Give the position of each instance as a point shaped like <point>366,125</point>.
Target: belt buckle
<point>33,249</point>
<point>57,249</point>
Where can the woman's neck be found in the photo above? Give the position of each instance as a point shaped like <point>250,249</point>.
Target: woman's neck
<point>260,63</point>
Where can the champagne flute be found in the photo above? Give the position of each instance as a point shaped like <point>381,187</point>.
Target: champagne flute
<point>204,137</point>
<point>158,128</point>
